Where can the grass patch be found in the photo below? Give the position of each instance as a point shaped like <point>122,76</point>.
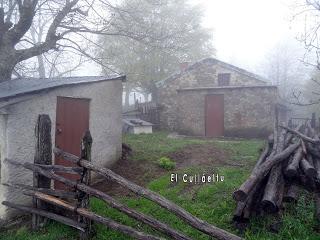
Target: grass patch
<point>211,202</point>
<point>150,147</point>
<point>166,163</point>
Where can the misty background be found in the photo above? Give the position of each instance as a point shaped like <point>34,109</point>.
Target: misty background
<point>276,39</point>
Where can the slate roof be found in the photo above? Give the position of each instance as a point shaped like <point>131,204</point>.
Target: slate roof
<point>212,61</point>
<point>226,87</point>
<point>18,87</point>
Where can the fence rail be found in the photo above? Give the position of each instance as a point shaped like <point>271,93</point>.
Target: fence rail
<point>82,190</point>
<point>149,111</point>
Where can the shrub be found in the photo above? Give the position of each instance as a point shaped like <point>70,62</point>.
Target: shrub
<point>166,163</point>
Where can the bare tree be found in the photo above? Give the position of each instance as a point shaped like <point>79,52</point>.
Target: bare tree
<point>69,26</point>
<point>307,16</point>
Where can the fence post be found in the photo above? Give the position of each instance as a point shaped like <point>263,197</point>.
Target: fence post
<point>83,199</point>
<point>43,155</point>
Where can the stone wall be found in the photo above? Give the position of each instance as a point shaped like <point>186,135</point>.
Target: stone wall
<point>248,111</point>
<point>202,74</point>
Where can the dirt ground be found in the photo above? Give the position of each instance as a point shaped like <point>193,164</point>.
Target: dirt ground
<point>143,172</point>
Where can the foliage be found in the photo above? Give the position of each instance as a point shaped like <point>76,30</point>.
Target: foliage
<point>145,64</point>
<point>32,28</point>
<point>166,163</point>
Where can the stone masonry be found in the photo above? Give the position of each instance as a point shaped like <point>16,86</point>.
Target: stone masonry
<point>249,102</point>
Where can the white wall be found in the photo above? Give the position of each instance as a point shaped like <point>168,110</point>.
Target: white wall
<point>105,126</point>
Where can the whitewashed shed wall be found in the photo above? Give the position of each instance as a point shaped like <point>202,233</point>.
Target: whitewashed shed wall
<point>17,130</point>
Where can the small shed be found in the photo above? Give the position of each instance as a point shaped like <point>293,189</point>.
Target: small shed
<point>213,98</point>
<point>74,104</point>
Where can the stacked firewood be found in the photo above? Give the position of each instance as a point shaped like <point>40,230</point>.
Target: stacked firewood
<point>290,162</point>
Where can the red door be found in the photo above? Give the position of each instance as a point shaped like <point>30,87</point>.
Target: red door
<point>72,120</point>
<point>214,115</point>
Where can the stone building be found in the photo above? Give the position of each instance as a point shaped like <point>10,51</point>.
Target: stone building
<point>74,105</point>
<point>213,98</point>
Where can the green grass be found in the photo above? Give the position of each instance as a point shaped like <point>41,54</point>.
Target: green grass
<point>210,202</point>
<point>150,147</point>
<point>53,231</point>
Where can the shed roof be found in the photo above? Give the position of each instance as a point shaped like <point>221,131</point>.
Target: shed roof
<point>212,60</point>
<point>17,87</point>
<point>226,87</point>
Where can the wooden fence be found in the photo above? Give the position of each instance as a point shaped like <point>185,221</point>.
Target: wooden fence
<point>294,122</point>
<point>47,202</point>
<point>149,111</point>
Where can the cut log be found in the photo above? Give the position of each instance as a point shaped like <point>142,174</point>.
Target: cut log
<point>56,193</point>
<point>82,197</point>
<point>273,193</point>
<point>303,147</point>
<point>60,168</point>
<point>292,193</point>
<point>256,176</point>
<point>302,136</point>
<point>58,218</point>
<point>252,207</point>
<point>43,156</point>
<point>163,202</point>
<point>93,216</point>
<point>307,168</point>
<point>238,213</point>
<point>293,164</point>
<point>313,151</point>
<point>263,156</point>
<point>108,199</point>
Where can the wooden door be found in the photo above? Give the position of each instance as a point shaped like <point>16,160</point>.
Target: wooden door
<point>214,118</point>
<point>72,120</point>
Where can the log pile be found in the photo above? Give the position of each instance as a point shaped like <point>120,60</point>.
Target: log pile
<point>289,162</point>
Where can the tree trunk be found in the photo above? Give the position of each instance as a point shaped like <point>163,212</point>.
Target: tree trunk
<point>41,68</point>
<point>6,70</point>
<point>7,63</point>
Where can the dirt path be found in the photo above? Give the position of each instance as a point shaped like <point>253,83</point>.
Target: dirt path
<point>142,172</point>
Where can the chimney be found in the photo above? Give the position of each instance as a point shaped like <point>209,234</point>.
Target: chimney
<point>184,66</point>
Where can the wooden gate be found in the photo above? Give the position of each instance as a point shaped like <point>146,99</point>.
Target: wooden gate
<point>214,115</point>
<point>72,120</point>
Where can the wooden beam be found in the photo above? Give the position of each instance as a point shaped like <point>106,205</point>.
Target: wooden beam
<point>302,136</point>
<point>154,223</point>
<point>53,216</point>
<point>163,202</point>
<point>292,193</point>
<point>60,168</point>
<point>256,176</point>
<point>293,165</point>
<point>43,156</point>
<point>94,217</point>
<point>53,192</point>
<point>83,197</point>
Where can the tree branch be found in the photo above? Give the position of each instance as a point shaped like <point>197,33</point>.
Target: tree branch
<point>26,15</point>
